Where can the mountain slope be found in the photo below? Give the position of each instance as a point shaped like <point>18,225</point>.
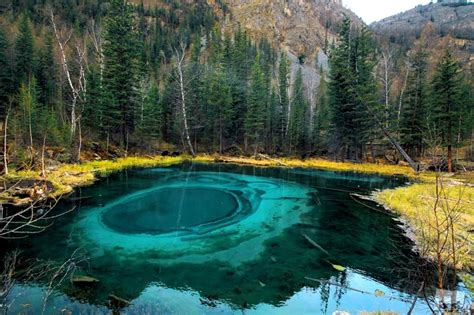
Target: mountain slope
<point>434,26</point>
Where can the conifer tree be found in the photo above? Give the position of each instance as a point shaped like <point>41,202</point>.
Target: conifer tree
<point>6,84</point>
<point>342,91</point>
<point>355,111</point>
<point>220,106</point>
<point>299,115</point>
<point>255,117</point>
<point>321,117</point>
<point>150,127</point>
<point>447,102</point>
<point>46,73</point>
<point>414,110</point>
<point>283,80</point>
<point>120,73</point>
<point>24,51</point>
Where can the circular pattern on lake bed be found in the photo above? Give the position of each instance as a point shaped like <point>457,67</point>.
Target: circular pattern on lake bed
<point>171,209</point>
<point>245,212</point>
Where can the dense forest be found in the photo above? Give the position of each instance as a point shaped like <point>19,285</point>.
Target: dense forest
<point>78,74</point>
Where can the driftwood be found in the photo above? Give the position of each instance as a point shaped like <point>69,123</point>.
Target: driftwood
<point>84,281</point>
<point>266,157</point>
<point>118,302</point>
<point>315,244</point>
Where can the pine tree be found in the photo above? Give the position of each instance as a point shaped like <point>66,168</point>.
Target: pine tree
<point>299,115</point>
<point>255,118</point>
<point>414,110</point>
<point>150,127</point>
<point>321,117</point>
<point>24,51</point>
<point>355,111</point>
<point>370,113</point>
<point>6,84</point>
<point>92,114</point>
<point>119,81</point>
<point>46,73</point>
<point>220,106</point>
<point>342,91</point>
<point>283,80</point>
<point>447,102</point>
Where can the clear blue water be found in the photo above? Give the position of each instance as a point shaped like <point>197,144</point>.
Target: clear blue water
<point>205,239</point>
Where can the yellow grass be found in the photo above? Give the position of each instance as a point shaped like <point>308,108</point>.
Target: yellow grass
<point>68,176</point>
<point>415,204</point>
<point>382,169</point>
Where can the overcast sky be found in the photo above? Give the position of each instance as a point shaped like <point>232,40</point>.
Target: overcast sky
<point>374,10</point>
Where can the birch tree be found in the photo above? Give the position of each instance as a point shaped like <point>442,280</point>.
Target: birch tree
<point>77,84</point>
<point>180,64</point>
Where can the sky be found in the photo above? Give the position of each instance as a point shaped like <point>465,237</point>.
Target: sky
<point>374,10</point>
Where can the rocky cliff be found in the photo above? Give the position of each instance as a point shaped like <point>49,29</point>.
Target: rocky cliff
<point>301,27</point>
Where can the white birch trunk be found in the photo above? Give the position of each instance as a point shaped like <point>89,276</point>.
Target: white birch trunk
<point>180,61</point>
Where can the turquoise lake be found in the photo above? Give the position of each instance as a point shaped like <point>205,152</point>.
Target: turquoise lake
<point>226,239</point>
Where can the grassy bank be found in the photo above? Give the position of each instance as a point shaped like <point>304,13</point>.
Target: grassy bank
<point>66,177</point>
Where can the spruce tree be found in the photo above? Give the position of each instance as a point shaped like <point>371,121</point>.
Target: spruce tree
<point>120,73</point>
<point>299,115</point>
<point>6,84</point>
<point>220,106</point>
<point>321,117</point>
<point>255,117</point>
<point>447,102</point>
<point>414,110</point>
<point>46,73</point>
<point>24,51</point>
<point>150,127</point>
<point>342,90</point>
<point>283,80</point>
<point>355,111</point>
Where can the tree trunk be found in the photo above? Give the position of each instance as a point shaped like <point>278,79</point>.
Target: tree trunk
<point>43,170</point>
<point>5,146</point>
<point>79,147</point>
<point>450,158</point>
<point>183,102</point>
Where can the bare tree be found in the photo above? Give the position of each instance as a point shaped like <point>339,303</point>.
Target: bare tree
<point>443,236</point>
<point>32,219</point>
<point>385,76</point>
<point>180,55</point>
<point>51,273</point>
<point>77,85</point>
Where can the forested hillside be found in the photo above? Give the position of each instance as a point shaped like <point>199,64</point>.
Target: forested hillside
<point>95,79</point>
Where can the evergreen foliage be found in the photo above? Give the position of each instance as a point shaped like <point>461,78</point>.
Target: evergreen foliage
<point>413,115</point>
<point>120,71</point>
<point>6,78</point>
<point>241,94</point>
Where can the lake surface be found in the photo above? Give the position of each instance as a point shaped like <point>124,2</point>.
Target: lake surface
<point>225,239</point>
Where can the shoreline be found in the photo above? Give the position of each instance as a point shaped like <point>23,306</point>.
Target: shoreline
<point>403,201</point>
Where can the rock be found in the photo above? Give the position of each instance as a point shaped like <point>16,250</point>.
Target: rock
<point>165,153</point>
